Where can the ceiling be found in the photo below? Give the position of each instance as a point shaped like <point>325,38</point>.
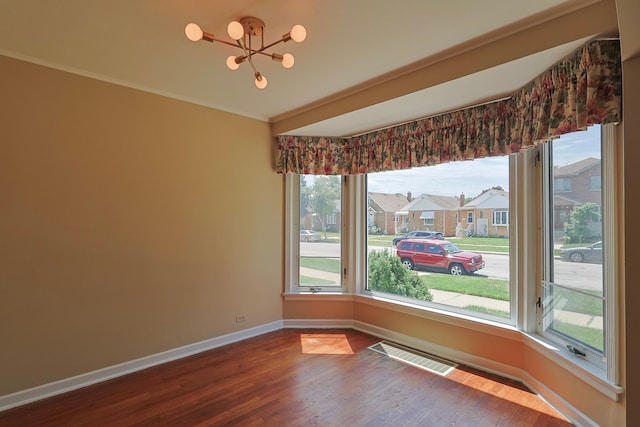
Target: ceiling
<point>365,64</point>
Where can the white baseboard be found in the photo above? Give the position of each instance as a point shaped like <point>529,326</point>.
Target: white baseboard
<point>58,387</point>
<point>488,365</point>
<point>318,323</point>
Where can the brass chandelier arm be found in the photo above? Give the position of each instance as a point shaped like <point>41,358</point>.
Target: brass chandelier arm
<point>247,55</point>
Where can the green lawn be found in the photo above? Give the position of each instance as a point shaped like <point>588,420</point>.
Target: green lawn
<point>469,285</point>
<point>331,265</point>
<point>491,244</point>
<point>475,285</point>
<point>592,336</point>
<point>305,280</point>
<point>579,303</point>
<point>487,310</point>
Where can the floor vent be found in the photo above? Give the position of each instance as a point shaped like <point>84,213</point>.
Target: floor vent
<point>414,357</point>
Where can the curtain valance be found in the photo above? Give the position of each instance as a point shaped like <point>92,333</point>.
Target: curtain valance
<point>582,90</point>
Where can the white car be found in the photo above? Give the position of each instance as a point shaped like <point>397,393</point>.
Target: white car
<point>309,236</point>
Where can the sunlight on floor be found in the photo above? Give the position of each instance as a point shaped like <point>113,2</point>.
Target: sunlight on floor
<point>325,344</point>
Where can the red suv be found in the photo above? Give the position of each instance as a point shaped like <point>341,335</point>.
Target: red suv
<point>438,255</point>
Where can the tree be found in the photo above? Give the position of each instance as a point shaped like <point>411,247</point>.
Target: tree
<point>323,196</point>
<point>304,196</point>
<point>387,274</point>
<point>497,187</point>
<point>579,219</point>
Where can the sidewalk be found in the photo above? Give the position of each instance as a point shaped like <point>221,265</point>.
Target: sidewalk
<point>454,299</point>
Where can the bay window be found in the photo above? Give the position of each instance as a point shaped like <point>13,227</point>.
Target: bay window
<point>557,220</point>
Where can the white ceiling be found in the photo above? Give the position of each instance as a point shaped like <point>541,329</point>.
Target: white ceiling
<point>353,47</point>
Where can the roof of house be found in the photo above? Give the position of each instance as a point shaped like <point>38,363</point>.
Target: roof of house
<point>426,202</point>
<point>491,199</point>
<point>389,202</point>
<point>576,168</point>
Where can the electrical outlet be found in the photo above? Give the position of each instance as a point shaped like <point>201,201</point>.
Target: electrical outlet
<point>241,318</point>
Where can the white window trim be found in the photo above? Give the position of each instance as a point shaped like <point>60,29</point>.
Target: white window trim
<point>493,219</point>
<point>292,241</point>
<point>607,372</point>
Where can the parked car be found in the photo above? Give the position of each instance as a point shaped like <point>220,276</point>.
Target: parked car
<point>591,253</point>
<point>309,236</point>
<point>440,255</point>
<point>419,234</point>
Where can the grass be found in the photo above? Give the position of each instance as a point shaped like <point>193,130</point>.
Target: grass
<point>491,244</point>
<point>487,310</point>
<point>469,285</point>
<point>305,280</point>
<point>579,303</point>
<point>331,265</point>
<point>591,336</point>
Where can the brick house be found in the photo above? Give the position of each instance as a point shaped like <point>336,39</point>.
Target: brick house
<point>430,213</point>
<point>382,208</point>
<point>486,215</point>
<point>573,185</point>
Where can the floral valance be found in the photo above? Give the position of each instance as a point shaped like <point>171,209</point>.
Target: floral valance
<point>582,90</point>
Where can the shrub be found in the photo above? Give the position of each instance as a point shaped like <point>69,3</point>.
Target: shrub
<point>387,274</point>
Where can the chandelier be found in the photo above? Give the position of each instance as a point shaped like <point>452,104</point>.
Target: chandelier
<point>243,31</point>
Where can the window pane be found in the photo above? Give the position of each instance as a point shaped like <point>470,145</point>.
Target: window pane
<point>320,226</point>
<point>574,292</point>
<point>440,234</point>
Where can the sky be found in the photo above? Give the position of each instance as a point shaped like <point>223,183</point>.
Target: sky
<point>473,176</point>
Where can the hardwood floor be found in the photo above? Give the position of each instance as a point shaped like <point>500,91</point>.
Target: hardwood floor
<point>293,377</point>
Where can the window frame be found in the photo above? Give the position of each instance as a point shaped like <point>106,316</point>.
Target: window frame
<point>557,189</point>
<point>607,369</point>
<point>502,212</point>
<point>292,240</point>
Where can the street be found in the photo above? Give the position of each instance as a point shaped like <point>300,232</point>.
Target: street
<point>578,275</point>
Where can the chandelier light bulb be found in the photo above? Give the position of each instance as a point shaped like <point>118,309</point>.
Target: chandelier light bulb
<point>288,60</point>
<point>261,81</point>
<point>231,63</point>
<point>235,30</point>
<point>298,33</point>
<point>193,32</point>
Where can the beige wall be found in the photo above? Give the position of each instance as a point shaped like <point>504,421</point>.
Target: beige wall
<point>130,224</point>
<point>628,273</point>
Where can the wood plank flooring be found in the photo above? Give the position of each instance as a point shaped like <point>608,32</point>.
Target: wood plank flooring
<point>293,377</point>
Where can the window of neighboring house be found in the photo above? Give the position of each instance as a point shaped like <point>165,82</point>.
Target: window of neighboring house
<point>576,290</point>
<point>319,254</point>
<point>562,185</point>
<point>428,217</point>
<point>469,217</point>
<point>500,217</point>
<point>435,267</point>
<point>595,182</point>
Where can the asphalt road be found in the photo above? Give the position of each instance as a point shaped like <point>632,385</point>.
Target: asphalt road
<point>579,275</point>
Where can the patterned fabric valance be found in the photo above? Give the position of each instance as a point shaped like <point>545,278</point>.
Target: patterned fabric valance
<point>582,90</point>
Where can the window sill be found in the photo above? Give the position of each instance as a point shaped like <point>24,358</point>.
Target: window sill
<point>449,317</point>
<point>580,368</point>
<point>318,296</point>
